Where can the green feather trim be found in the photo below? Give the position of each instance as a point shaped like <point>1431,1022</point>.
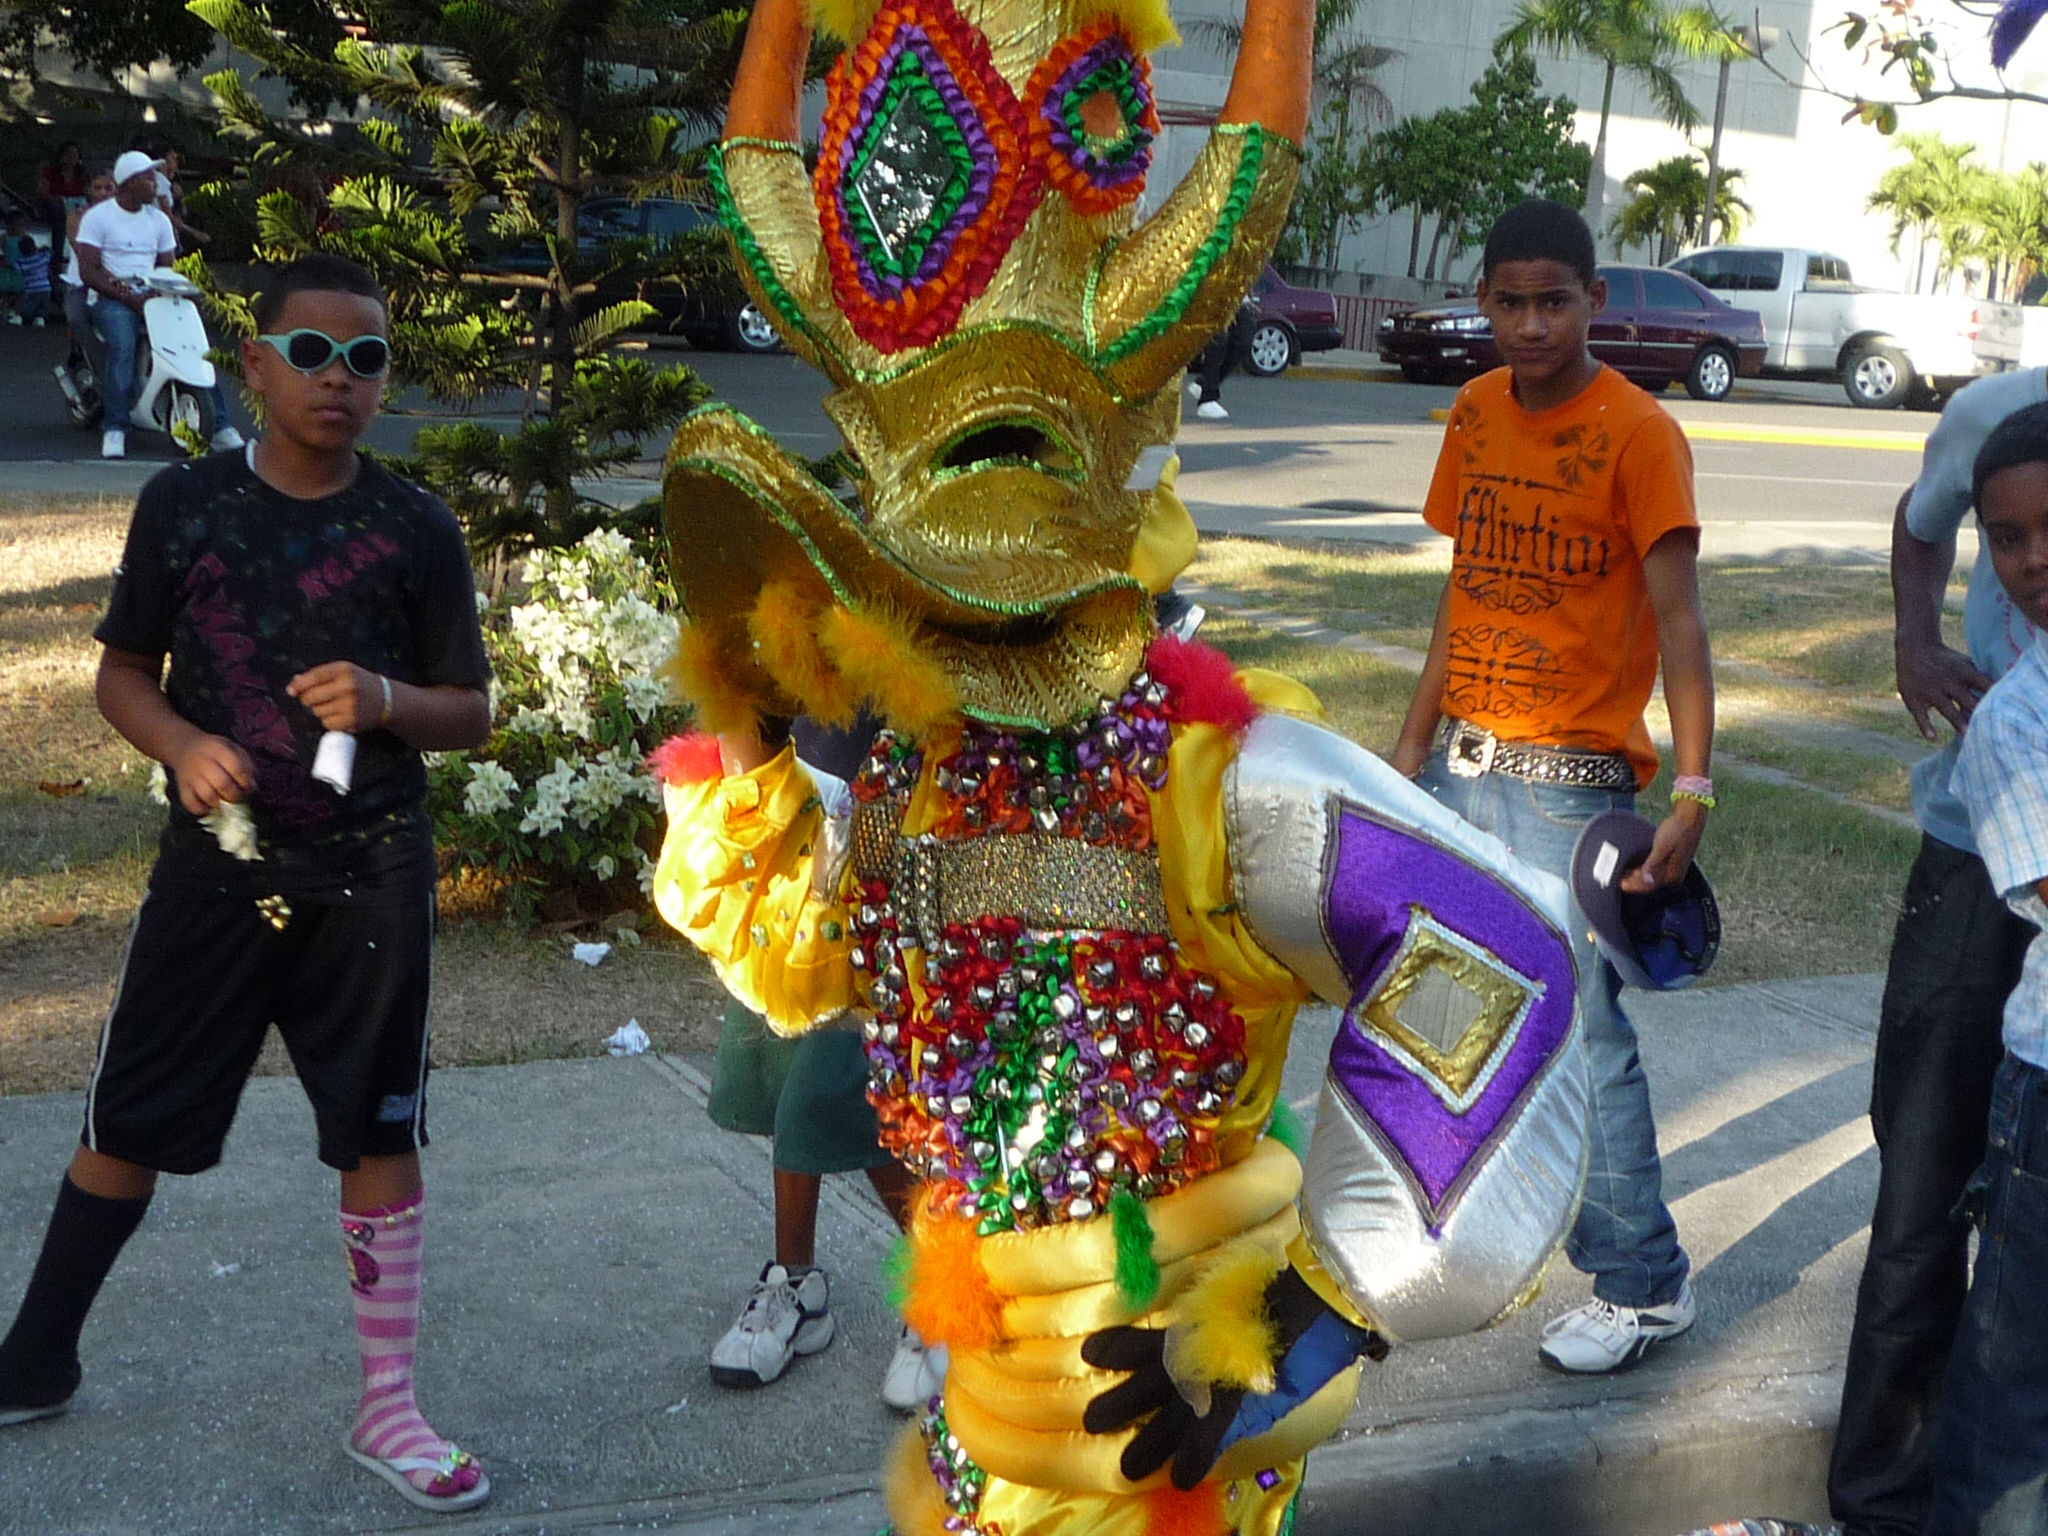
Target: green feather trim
<point>1286,1128</point>
<point>896,1272</point>
<point>1137,1272</point>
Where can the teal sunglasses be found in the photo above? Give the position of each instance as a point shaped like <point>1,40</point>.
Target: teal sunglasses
<point>310,351</point>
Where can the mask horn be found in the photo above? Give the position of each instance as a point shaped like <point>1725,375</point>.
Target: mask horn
<point>760,176</point>
<point>1179,278</point>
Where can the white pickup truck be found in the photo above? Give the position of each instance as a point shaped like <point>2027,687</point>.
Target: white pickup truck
<point>1886,348</point>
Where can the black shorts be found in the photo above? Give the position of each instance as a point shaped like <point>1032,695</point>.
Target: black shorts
<point>347,979</point>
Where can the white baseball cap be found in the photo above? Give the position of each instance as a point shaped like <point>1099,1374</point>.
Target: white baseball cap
<point>134,163</point>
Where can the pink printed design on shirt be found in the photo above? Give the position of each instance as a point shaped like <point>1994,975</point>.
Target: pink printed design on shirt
<point>282,782</point>
<point>339,570</point>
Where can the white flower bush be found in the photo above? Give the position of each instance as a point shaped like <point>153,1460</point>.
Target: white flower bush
<point>560,795</point>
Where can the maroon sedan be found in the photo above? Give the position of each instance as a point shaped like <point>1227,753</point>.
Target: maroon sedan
<point>1659,328</point>
<point>1290,321</point>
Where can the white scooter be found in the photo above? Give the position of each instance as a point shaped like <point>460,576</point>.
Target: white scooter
<point>176,393</point>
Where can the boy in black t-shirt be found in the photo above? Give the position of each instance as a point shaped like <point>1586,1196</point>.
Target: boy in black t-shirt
<point>297,589</point>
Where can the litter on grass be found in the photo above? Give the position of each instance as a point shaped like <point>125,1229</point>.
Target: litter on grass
<point>629,1039</point>
<point>590,954</point>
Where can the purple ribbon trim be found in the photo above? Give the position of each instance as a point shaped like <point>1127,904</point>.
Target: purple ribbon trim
<point>1053,109</point>
<point>883,286</point>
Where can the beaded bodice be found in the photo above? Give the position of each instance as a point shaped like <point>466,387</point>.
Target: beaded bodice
<point>1037,1042</point>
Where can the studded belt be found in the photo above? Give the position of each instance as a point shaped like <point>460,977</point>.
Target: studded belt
<point>1472,750</point>
<point>1049,883</point>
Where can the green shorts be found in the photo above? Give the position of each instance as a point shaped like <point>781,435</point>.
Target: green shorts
<point>810,1094</point>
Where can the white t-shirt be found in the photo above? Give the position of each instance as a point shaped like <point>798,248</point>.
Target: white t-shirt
<point>129,243</point>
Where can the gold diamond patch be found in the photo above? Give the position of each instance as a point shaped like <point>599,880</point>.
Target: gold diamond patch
<point>1447,1010</point>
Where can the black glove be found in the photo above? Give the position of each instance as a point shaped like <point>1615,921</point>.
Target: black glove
<point>1192,1439</point>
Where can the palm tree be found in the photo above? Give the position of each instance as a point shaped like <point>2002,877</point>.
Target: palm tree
<point>1641,38</point>
<point>1337,189</point>
<point>1345,59</point>
<point>1665,204</point>
<point>1939,194</point>
<point>2015,225</point>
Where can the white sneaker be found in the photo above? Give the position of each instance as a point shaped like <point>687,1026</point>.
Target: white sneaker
<point>113,444</point>
<point>785,1316</point>
<point>916,1372</point>
<point>1195,388</point>
<point>1601,1337</point>
<point>1212,410</point>
<point>226,440</point>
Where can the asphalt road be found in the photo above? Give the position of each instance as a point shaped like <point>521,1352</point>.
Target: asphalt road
<point>1780,468</point>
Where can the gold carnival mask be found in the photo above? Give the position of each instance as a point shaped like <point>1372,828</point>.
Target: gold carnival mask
<point>1004,339</point>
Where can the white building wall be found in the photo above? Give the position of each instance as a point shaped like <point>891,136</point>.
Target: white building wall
<point>1806,174</point>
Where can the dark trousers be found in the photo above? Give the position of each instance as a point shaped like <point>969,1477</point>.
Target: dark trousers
<point>1955,956</point>
<point>1990,1446</point>
<point>1224,352</point>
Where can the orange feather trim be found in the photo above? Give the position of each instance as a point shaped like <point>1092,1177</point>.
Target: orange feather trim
<point>877,652</point>
<point>949,1298</point>
<point>913,1499</point>
<point>702,674</point>
<point>785,630</point>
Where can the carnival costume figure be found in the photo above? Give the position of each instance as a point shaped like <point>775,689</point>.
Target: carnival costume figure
<point>1077,892</point>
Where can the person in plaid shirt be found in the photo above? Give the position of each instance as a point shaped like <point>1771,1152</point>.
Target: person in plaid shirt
<point>1990,1451</point>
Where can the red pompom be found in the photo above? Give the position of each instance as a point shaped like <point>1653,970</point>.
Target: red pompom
<point>1201,684</point>
<point>1196,1512</point>
<point>688,759</point>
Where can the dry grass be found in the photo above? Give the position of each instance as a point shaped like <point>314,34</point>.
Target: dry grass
<point>1825,630</point>
<point>73,866</point>
<point>1805,885</point>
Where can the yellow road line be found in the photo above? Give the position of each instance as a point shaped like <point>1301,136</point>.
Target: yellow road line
<point>1803,437</point>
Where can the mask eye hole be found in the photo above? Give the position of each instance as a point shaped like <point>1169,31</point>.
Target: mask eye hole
<point>1023,444</point>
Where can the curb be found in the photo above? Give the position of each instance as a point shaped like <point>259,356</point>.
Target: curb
<point>1624,1467</point>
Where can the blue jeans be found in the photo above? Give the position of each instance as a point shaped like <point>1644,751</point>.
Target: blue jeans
<point>1990,1449</point>
<point>121,328</point>
<point>1625,1237</point>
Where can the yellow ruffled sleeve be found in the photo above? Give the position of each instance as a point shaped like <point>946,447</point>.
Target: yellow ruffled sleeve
<point>737,878</point>
<point>1194,867</point>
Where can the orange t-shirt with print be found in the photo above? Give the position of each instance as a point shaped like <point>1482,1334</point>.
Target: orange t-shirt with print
<point>1550,633</point>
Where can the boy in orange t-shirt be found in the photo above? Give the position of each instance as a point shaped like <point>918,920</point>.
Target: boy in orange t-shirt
<point>1568,494</point>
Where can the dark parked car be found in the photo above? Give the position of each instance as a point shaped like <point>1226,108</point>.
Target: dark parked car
<point>1291,321</point>
<point>723,317</point>
<point>1659,328</point>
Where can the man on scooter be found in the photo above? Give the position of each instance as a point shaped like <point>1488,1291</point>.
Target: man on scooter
<point>119,242</point>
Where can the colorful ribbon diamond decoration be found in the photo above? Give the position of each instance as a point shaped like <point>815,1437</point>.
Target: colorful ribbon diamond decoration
<point>923,181</point>
<point>1097,172</point>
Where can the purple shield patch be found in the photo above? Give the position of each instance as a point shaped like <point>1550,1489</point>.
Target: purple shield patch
<point>1462,994</point>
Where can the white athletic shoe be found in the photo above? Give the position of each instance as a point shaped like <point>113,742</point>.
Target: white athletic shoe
<point>916,1372</point>
<point>226,440</point>
<point>786,1315</point>
<point>113,444</point>
<point>1601,1337</point>
<point>1212,410</point>
<point>1195,388</point>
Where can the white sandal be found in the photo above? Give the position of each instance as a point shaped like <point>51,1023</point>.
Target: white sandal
<point>395,1473</point>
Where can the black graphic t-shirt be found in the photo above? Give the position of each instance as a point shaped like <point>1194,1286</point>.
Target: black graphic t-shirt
<point>244,588</point>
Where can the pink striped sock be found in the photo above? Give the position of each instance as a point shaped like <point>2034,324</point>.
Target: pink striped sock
<point>383,1252</point>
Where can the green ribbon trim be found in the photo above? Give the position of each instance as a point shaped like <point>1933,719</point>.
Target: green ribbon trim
<point>1243,181</point>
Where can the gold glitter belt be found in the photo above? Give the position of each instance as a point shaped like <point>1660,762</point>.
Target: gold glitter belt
<point>1050,883</point>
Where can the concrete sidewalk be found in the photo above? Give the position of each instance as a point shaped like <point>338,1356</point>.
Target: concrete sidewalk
<point>591,1234</point>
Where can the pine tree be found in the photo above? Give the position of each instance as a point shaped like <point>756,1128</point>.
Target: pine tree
<point>482,125</point>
